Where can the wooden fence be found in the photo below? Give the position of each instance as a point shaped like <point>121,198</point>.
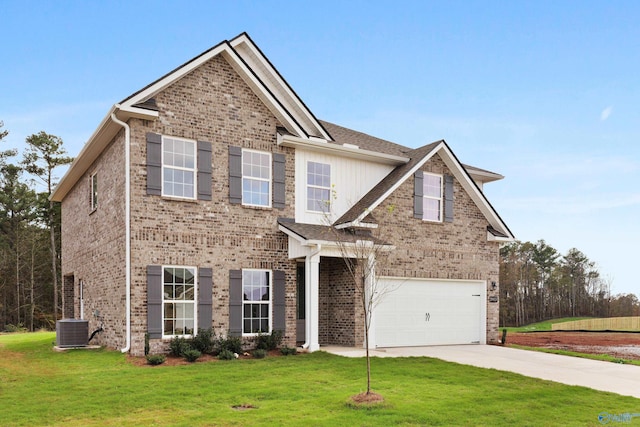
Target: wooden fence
<point>608,324</point>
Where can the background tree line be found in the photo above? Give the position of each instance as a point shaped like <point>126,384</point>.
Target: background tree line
<point>538,283</point>
<point>29,234</point>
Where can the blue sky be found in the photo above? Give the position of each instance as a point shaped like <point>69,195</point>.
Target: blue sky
<point>544,92</point>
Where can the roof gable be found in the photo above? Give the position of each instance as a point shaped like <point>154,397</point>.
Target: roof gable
<point>356,216</point>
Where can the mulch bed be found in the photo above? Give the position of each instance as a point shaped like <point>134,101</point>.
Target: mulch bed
<point>624,345</point>
<point>179,361</point>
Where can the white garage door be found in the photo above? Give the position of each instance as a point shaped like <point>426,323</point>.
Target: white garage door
<point>418,312</point>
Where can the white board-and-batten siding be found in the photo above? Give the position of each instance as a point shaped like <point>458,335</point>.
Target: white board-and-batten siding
<point>350,180</point>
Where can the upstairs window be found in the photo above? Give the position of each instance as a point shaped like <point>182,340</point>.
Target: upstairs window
<point>318,187</point>
<point>432,197</point>
<point>178,167</point>
<point>256,178</point>
<point>93,191</point>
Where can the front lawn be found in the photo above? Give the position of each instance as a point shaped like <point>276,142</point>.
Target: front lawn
<point>102,388</point>
<point>545,325</point>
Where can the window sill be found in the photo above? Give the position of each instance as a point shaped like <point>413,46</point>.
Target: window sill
<point>258,207</point>
<point>179,199</point>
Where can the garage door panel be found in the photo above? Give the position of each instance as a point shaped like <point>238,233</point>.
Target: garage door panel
<point>429,312</point>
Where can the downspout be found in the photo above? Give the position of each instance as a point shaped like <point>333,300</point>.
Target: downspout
<point>127,224</point>
<point>307,291</point>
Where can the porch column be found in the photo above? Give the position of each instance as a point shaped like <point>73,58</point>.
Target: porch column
<point>312,305</point>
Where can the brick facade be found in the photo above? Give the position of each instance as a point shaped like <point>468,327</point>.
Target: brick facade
<point>93,247</point>
<point>440,250</point>
<point>212,103</point>
<point>341,315</point>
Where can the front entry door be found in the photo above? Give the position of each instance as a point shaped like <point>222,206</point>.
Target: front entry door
<point>300,305</point>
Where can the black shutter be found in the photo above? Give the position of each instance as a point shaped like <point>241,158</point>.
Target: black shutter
<point>235,303</point>
<point>418,192</point>
<point>279,317</point>
<point>154,164</point>
<point>154,301</point>
<point>204,170</point>
<point>205,298</point>
<point>278,181</point>
<point>448,198</point>
<point>235,175</point>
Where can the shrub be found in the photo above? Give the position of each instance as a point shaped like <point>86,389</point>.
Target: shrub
<point>155,359</point>
<point>259,353</point>
<point>146,344</point>
<point>205,341</point>
<point>288,351</point>
<point>232,344</point>
<point>269,341</point>
<point>178,346</point>
<point>226,355</point>
<point>15,328</point>
<point>191,355</point>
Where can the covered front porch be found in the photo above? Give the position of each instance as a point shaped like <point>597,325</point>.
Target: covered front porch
<point>330,308</point>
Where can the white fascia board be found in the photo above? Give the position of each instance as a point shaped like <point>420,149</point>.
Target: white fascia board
<point>128,112</point>
<point>474,192</point>
<point>357,225</point>
<point>89,152</point>
<point>173,77</point>
<point>95,145</point>
<point>274,76</point>
<point>492,238</point>
<point>483,176</point>
<point>262,92</point>
<point>340,150</point>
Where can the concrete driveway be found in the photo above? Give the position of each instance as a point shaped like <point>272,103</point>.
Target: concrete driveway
<point>604,376</point>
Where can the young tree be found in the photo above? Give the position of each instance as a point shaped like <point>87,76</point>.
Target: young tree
<point>45,153</point>
<point>364,252</point>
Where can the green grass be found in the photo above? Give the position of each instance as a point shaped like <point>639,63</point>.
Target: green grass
<point>541,326</point>
<point>101,388</point>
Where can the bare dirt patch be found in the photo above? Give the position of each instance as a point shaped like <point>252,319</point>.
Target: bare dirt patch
<point>623,345</point>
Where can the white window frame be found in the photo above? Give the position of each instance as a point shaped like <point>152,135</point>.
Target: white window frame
<point>440,199</point>
<point>93,191</point>
<point>173,301</point>
<point>193,170</point>
<point>260,179</point>
<point>314,186</point>
<point>268,303</point>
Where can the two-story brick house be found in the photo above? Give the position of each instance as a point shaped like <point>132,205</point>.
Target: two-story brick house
<point>213,197</point>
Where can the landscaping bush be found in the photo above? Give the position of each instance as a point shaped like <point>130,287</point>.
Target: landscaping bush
<point>191,355</point>
<point>226,355</point>
<point>15,328</point>
<point>146,344</point>
<point>288,351</point>
<point>232,344</point>
<point>156,359</point>
<point>269,341</point>
<point>205,341</point>
<point>259,353</point>
<point>178,346</point>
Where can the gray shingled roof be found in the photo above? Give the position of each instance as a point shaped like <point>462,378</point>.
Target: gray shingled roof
<point>342,135</point>
<point>326,233</point>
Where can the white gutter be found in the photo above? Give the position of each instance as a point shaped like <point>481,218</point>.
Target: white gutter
<point>127,223</point>
<point>319,145</point>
